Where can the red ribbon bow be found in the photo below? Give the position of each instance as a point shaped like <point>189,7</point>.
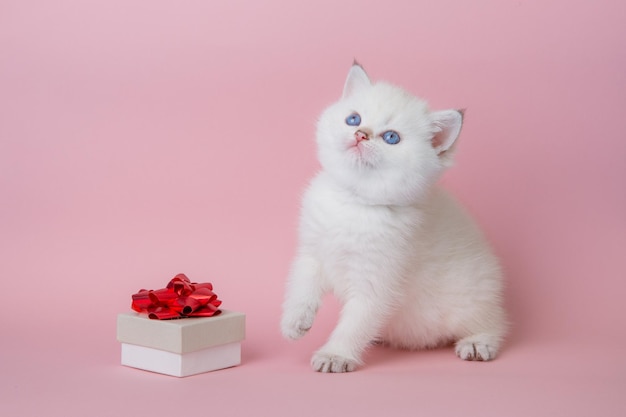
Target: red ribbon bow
<point>181,298</point>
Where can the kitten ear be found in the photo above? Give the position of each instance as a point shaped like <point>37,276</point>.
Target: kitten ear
<point>447,125</point>
<point>357,79</point>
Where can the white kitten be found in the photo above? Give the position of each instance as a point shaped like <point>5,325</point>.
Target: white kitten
<point>409,266</point>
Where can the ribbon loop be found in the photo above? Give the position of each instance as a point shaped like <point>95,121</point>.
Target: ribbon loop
<point>180,298</point>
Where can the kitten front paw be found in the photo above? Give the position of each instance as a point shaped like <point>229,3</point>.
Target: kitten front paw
<point>330,363</point>
<point>294,325</point>
<point>470,349</point>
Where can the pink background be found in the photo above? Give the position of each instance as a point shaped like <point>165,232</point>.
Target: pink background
<point>139,139</point>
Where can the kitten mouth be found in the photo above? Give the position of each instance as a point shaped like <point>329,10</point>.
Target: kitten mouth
<point>356,148</point>
<point>357,144</point>
<point>359,154</point>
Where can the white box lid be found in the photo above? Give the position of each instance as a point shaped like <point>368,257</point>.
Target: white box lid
<point>181,335</point>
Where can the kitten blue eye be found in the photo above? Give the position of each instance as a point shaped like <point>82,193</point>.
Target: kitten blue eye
<point>391,137</point>
<point>353,120</point>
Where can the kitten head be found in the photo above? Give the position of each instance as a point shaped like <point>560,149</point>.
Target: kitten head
<point>384,145</point>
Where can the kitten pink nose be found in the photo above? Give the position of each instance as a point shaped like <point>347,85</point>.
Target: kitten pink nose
<point>359,136</point>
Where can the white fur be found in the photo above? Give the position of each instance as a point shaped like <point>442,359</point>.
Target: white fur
<point>409,266</point>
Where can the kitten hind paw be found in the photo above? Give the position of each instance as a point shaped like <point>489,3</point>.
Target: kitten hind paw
<point>330,363</point>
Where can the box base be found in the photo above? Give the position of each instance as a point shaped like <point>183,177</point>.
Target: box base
<point>181,365</point>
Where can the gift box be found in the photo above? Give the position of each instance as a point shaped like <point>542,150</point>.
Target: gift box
<point>181,347</point>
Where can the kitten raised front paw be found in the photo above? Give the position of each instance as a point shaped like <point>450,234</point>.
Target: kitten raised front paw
<point>294,325</point>
<point>330,363</point>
